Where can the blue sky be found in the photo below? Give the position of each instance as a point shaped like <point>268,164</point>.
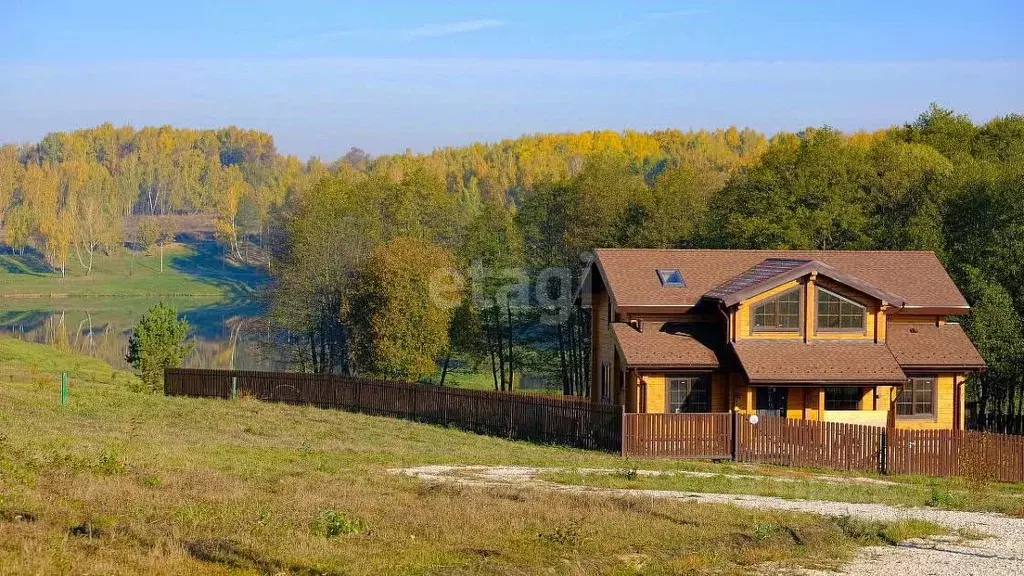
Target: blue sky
<point>386,76</point>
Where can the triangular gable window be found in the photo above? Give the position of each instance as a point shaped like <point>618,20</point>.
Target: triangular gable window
<point>671,277</point>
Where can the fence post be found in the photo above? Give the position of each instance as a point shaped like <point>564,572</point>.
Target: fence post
<point>63,388</point>
<point>622,436</point>
<point>234,388</point>
<point>883,454</point>
<point>412,413</point>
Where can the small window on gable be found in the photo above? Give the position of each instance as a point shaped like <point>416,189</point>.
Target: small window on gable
<point>836,313</point>
<point>671,277</point>
<point>778,314</point>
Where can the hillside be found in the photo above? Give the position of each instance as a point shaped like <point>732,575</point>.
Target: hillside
<point>119,481</point>
<point>189,269</point>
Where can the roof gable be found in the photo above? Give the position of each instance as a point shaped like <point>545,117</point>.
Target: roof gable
<point>774,272</point>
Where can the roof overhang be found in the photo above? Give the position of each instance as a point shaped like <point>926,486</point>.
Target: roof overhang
<point>940,368</point>
<point>655,308</point>
<point>934,310</point>
<point>821,363</point>
<point>828,384</point>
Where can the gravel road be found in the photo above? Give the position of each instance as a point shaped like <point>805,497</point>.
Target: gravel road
<point>1002,554</point>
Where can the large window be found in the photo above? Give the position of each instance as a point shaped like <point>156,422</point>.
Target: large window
<point>836,313</point>
<point>689,394</point>
<point>845,398</point>
<point>917,398</point>
<point>780,314</point>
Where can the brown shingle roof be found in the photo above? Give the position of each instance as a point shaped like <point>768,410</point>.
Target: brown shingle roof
<point>932,346</point>
<point>782,361</point>
<point>631,274</point>
<point>668,345</point>
<point>765,270</point>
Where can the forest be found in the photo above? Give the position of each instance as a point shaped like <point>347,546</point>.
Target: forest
<point>355,244</point>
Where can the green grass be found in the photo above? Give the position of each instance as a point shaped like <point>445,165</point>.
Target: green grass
<point>188,271</point>
<point>482,379</point>
<point>124,482</point>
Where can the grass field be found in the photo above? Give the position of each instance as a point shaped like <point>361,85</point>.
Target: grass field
<point>189,270</point>
<point>951,494</point>
<point>123,482</point>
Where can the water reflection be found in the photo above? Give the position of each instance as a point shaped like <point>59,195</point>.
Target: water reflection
<point>225,333</point>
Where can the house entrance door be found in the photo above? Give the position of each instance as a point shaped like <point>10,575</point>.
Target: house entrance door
<point>771,402</point>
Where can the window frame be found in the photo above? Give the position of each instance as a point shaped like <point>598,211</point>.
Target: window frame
<point>911,385</point>
<point>755,329</point>
<point>665,275</point>
<point>817,313</point>
<point>845,390</point>
<point>692,380</point>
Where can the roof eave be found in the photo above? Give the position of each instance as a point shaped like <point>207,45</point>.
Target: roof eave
<point>818,383</point>
<point>675,367</point>
<point>958,310</point>
<point>918,368</point>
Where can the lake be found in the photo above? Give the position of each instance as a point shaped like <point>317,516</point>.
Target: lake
<point>225,333</point>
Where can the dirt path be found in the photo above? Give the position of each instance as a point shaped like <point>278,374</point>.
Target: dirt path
<point>1000,555</point>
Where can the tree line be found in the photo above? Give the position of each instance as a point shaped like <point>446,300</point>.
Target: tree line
<point>940,183</point>
<point>356,242</point>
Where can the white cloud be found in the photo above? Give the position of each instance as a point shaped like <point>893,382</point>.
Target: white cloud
<point>450,28</point>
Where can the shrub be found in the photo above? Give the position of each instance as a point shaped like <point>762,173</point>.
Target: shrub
<point>563,535</point>
<point>330,523</point>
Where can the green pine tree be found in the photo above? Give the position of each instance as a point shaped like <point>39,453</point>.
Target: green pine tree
<point>158,342</point>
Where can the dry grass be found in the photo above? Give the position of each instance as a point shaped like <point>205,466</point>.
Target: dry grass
<point>945,493</point>
<point>121,482</point>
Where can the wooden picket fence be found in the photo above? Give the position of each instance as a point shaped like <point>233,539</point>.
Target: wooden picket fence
<point>781,441</point>
<point>775,440</point>
<point>546,419</point>
<point>579,423</point>
<point>707,436</point>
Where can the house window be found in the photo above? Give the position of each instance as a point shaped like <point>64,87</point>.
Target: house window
<point>689,394</point>
<point>780,314</point>
<point>917,398</point>
<point>671,277</point>
<point>845,398</point>
<point>836,313</point>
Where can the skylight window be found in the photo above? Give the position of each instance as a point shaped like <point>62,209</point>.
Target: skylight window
<point>671,277</point>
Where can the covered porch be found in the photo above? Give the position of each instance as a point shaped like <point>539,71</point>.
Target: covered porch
<point>856,404</point>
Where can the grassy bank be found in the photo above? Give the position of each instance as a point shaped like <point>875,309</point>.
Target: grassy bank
<point>188,271</point>
<point>122,482</point>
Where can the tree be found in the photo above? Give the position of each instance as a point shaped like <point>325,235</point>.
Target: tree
<point>493,249</point>
<point>401,310</point>
<point>147,234</point>
<point>158,342</point>
<point>808,192</point>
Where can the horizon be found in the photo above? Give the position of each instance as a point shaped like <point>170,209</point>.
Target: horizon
<point>322,77</point>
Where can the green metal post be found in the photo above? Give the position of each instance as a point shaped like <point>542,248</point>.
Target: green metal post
<point>234,388</point>
<point>63,388</point>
